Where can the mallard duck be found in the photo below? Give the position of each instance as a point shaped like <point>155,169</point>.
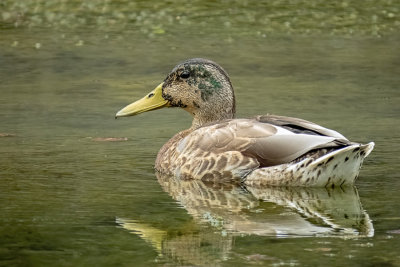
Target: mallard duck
<point>263,150</point>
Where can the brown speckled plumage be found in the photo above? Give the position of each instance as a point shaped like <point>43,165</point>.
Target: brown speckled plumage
<point>264,150</point>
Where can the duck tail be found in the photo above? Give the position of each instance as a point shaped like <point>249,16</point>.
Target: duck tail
<point>342,167</point>
<point>368,148</point>
<point>335,169</point>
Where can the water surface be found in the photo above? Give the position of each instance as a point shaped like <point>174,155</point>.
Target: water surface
<point>78,187</point>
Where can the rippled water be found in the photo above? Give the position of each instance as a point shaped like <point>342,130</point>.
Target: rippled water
<point>78,187</point>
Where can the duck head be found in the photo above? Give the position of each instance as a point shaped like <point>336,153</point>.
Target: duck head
<point>199,86</point>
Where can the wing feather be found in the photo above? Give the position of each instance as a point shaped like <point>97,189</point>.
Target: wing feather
<point>299,126</point>
<point>270,143</point>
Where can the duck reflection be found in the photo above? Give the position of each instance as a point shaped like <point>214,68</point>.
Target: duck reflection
<point>223,211</point>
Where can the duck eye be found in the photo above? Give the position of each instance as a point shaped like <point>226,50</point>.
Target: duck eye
<point>184,75</point>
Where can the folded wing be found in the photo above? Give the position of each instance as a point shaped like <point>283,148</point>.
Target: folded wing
<point>271,140</point>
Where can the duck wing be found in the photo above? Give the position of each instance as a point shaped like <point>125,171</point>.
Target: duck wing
<point>297,125</point>
<point>268,143</point>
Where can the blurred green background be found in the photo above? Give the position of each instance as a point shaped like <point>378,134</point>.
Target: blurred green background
<point>71,197</point>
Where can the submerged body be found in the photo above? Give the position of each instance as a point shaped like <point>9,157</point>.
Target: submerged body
<point>264,150</point>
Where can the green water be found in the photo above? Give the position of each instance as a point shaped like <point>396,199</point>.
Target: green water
<point>78,187</point>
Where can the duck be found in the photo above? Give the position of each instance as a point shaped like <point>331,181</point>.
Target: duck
<point>263,150</point>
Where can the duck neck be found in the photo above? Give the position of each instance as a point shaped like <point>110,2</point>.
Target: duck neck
<point>203,118</point>
<point>217,107</point>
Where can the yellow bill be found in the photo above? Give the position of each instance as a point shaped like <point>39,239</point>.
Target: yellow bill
<point>151,101</point>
